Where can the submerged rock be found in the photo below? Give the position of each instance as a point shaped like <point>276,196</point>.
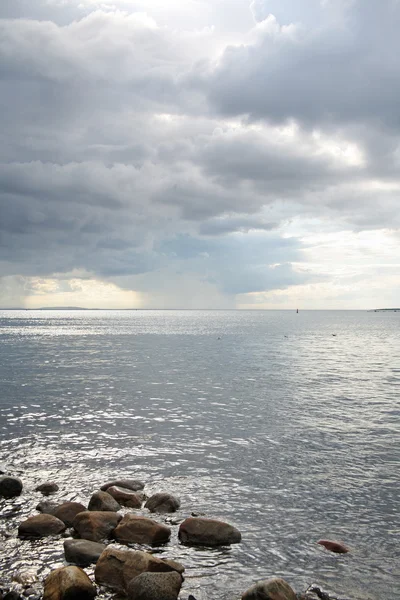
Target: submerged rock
<point>47,488</point>
<point>126,497</point>
<point>208,532</point>
<point>334,546</point>
<point>116,568</point>
<point>10,486</point>
<point>141,530</point>
<point>102,501</point>
<point>155,586</point>
<point>95,525</point>
<point>162,503</point>
<point>270,589</point>
<point>82,552</point>
<point>67,512</point>
<point>68,583</point>
<point>47,508</point>
<point>129,484</point>
<point>40,526</point>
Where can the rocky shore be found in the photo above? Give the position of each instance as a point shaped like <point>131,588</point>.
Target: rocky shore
<point>115,545</point>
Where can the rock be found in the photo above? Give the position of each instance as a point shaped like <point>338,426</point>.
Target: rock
<point>155,586</point>
<point>174,564</point>
<point>126,497</point>
<point>10,486</point>
<point>47,488</point>
<point>13,595</point>
<point>82,552</point>
<point>68,583</point>
<point>46,507</point>
<point>3,469</point>
<point>141,530</point>
<point>270,589</point>
<point>162,503</point>
<point>40,526</point>
<point>102,501</point>
<point>67,512</point>
<point>334,546</point>
<point>208,532</point>
<point>116,568</point>
<point>95,525</point>
<point>129,484</point>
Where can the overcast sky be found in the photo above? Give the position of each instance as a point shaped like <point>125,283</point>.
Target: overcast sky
<point>200,153</point>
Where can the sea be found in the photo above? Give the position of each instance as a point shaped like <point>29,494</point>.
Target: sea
<point>285,425</point>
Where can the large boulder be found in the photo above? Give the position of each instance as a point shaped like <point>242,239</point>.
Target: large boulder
<point>126,497</point>
<point>155,586</point>
<point>95,525</point>
<point>67,512</point>
<point>208,532</point>
<point>116,568</point>
<point>141,530</point>
<point>129,484</point>
<point>47,488</point>
<point>40,526</point>
<point>162,503</point>
<point>68,583</point>
<point>82,552</point>
<point>104,502</point>
<point>10,486</point>
<point>270,589</point>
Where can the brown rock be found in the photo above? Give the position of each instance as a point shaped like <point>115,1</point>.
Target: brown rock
<point>155,586</point>
<point>68,583</point>
<point>46,507</point>
<point>129,484</point>
<point>162,503</point>
<point>334,546</point>
<point>208,532</point>
<point>47,488</point>
<point>126,497</point>
<point>140,530</point>
<point>102,501</point>
<point>116,568</point>
<point>270,589</point>
<point>67,512</point>
<point>95,525</point>
<point>82,552</point>
<point>10,486</point>
<point>40,526</point>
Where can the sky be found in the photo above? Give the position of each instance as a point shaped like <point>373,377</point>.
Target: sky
<point>200,154</point>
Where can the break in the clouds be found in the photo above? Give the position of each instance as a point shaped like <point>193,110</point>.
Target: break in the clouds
<point>199,154</point>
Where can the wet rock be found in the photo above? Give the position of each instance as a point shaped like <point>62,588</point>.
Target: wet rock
<point>270,589</point>
<point>46,507</point>
<point>129,484</point>
<point>162,503</point>
<point>47,488</point>
<point>174,564</point>
<point>10,486</point>
<point>13,595</point>
<point>155,586</point>
<point>126,497</point>
<point>82,552</point>
<point>208,532</point>
<point>26,577</point>
<point>334,546</point>
<point>102,501</point>
<point>67,512</point>
<point>68,583</point>
<point>40,526</point>
<point>141,530</point>
<point>116,568</point>
<point>95,525</point>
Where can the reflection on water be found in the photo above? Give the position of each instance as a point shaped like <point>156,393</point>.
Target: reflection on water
<point>265,419</point>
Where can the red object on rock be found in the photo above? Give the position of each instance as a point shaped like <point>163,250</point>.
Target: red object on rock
<point>334,546</point>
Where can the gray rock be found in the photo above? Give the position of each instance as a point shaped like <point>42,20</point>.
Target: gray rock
<point>162,503</point>
<point>129,484</point>
<point>140,530</point>
<point>40,526</point>
<point>96,525</point>
<point>155,586</point>
<point>67,512</point>
<point>47,488</point>
<point>10,486</point>
<point>82,552</point>
<point>68,583</point>
<point>270,589</point>
<point>104,502</point>
<point>208,532</point>
<point>47,507</point>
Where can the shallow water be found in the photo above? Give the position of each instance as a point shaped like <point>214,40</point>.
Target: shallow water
<point>285,425</point>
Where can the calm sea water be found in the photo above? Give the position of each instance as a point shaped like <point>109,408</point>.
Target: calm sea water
<point>286,425</point>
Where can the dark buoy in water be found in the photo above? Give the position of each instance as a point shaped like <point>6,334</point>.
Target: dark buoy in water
<point>297,311</point>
